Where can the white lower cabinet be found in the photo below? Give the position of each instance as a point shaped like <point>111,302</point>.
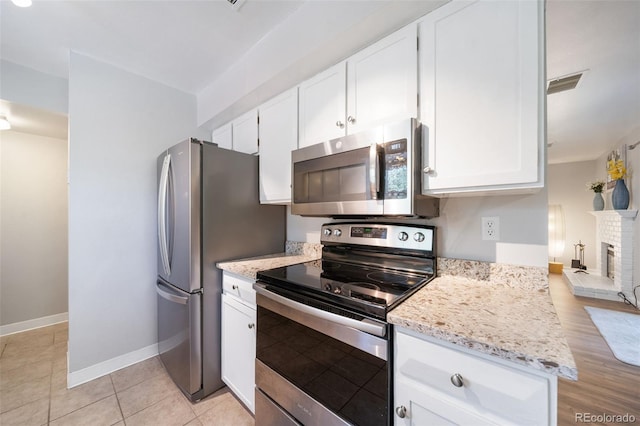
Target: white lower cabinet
<point>438,383</point>
<point>239,345</point>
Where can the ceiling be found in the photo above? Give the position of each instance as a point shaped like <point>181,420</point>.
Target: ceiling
<point>601,38</point>
<point>188,44</point>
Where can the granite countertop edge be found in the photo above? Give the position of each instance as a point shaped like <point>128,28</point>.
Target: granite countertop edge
<point>249,267</point>
<point>537,363</point>
<point>429,312</point>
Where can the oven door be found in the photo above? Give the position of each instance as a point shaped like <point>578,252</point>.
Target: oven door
<point>316,366</point>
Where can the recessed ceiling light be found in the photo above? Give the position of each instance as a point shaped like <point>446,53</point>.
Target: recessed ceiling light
<point>22,3</point>
<point>4,123</point>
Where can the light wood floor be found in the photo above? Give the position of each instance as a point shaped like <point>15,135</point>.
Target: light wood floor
<point>605,385</point>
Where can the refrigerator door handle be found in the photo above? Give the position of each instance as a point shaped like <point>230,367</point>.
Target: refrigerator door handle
<point>171,297</point>
<point>162,214</point>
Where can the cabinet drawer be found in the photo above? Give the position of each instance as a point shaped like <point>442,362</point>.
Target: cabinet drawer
<point>490,389</point>
<point>239,287</point>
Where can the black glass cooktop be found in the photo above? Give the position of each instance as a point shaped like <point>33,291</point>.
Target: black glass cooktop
<point>364,289</point>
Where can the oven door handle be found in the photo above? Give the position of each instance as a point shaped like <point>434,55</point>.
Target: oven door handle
<point>366,325</point>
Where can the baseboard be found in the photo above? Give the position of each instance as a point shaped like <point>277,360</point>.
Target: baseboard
<point>18,327</point>
<point>109,366</point>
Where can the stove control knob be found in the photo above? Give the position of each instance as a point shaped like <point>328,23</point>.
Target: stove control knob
<point>418,236</point>
<point>337,232</point>
<point>327,232</point>
<point>403,236</point>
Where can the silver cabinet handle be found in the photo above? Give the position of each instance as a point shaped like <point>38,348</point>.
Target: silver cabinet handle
<point>340,124</point>
<point>457,380</point>
<point>401,411</point>
<point>251,325</point>
<point>351,119</point>
<point>428,170</point>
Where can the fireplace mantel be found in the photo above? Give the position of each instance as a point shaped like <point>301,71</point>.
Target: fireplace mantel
<point>627,214</point>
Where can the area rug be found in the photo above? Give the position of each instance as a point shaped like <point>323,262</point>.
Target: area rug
<point>621,331</point>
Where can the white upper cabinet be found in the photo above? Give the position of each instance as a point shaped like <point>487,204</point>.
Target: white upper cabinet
<point>323,106</point>
<point>278,137</point>
<point>482,95</point>
<point>223,136</point>
<point>245,132</point>
<point>240,135</point>
<point>376,85</point>
<point>382,81</point>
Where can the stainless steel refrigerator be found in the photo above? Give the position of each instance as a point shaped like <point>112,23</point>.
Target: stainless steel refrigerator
<point>208,212</point>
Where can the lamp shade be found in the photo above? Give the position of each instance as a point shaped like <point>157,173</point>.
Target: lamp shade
<point>556,231</point>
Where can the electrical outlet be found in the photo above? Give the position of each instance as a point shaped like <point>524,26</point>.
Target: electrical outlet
<point>491,228</point>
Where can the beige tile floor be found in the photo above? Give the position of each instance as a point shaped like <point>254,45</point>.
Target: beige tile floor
<point>33,373</point>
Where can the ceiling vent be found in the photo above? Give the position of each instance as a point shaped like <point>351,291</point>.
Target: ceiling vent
<point>564,83</point>
<point>236,4</point>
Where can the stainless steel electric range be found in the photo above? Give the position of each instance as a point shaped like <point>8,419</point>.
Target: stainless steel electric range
<point>324,346</point>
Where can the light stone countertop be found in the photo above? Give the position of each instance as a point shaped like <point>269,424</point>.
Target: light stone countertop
<point>506,312</point>
<point>249,267</point>
<point>515,324</point>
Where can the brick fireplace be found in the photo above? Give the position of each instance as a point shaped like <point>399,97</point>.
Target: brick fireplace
<point>615,228</point>
<point>614,257</point>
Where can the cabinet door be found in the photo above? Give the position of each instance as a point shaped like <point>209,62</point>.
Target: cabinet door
<point>223,136</point>
<point>239,348</point>
<point>323,106</point>
<point>482,96</point>
<point>245,132</point>
<point>492,392</point>
<point>382,81</point>
<point>417,408</point>
<point>278,137</point>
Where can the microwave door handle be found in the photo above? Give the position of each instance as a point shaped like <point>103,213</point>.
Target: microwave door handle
<point>374,171</point>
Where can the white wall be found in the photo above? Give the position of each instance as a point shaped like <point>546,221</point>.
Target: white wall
<point>523,228</point>
<point>33,212</point>
<point>305,229</point>
<point>567,187</point>
<point>119,124</point>
<point>633,181</point>
<point>30,87</point>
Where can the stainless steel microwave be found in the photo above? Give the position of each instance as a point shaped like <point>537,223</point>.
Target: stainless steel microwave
<point>372,173</point>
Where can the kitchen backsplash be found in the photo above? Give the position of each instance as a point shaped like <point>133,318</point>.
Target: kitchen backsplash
<point>515,276</point>
<point>302,248</point>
